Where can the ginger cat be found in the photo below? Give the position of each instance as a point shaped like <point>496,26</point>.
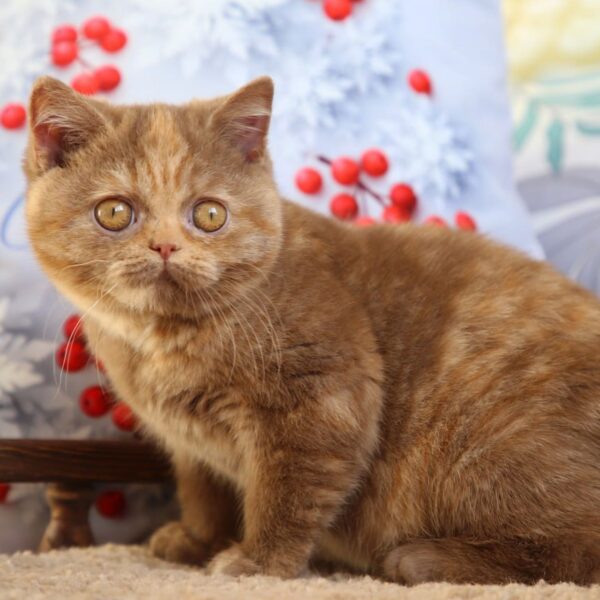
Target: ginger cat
<point>417,403</point>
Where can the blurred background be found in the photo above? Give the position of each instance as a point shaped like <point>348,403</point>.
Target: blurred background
<point>554,64</point>
<point>473,114</point>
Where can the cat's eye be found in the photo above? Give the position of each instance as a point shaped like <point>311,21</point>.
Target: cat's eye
<point>114,214</point>
<point>209,215</point>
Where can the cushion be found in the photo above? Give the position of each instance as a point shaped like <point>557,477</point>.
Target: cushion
<point>341,87</point>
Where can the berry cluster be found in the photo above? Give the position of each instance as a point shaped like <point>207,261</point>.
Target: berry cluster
<point>67,44</point>
<point>400,203</point>
<point>66,48</point>
<point>399,206</point>
<point>95,401</point>
<point>347,172</point>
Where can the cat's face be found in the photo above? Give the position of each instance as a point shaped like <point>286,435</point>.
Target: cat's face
<point>154,208</point>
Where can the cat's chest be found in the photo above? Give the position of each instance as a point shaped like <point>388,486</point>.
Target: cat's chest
<point>201,425</point>
<point>185,401</point>
<point>196,416</point>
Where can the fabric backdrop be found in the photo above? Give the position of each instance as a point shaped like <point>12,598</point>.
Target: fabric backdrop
<point>340,88</point>
<point>554,59</point>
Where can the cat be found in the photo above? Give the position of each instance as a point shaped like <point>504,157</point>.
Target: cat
<point>411,402</point>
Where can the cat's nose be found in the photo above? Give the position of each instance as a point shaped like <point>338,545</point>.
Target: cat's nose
<point>165,249</point>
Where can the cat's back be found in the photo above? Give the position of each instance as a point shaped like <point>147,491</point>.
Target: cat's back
<point>457,304</point>
<point>415,272</point>
<point>492,381</point>
<point>462,323</point>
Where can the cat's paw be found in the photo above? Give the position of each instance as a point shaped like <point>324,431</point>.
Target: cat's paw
<point>174,543</point>
<point>233,562</point>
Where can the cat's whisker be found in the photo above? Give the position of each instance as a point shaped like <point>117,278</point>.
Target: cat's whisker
<point>255,310</point>
<point>85,264</point>
<point>254,307</point>
<point>235,320</point>
<point>226,323</point>
<point>272,331</point>
<point>259,344</point>
<point>69,342</point>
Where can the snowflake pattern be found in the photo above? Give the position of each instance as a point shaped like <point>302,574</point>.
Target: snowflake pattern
<point>18,358</point>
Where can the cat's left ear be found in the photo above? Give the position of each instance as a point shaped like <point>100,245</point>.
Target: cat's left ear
<point>244,118</point>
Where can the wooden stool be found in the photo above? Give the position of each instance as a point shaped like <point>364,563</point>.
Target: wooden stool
<point>71,467</point>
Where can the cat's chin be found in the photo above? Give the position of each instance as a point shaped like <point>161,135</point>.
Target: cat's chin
<point>162,293</point>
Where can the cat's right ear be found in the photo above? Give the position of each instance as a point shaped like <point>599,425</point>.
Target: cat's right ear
<point>60,122</point>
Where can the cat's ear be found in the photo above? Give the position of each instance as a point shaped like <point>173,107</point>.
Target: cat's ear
<point>60,121</point>
<point>244,118</point>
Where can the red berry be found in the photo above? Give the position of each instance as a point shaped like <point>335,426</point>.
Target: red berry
<point>337,10</point>
<point>123,417</point>
<point>345,170</point>
<point>96,27</point>
<point>113,40</point>
<point>72,356</point>
<point>4,489</point>
<point>95,401</point>
<point>111,504</point>
<point>374,162</point>
<point>13,116</point>
<point>108,77</point>
<point>464,220</point>
<point>344,206</point>
<point>85,83</point>
<point>64,33</point>
<point>395,214</point>
<point>364,221</point>
<point>64,53</point>
<point>73,329</point>
<point>436,221</point>
<point>403,196</point>
<point>309,180</point>
<point>419,81</point>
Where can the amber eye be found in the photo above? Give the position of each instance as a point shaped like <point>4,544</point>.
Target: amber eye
<point>114,214</point>
<point>209,215</point>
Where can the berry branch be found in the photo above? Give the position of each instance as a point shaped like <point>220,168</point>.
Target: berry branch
<point>361,185</point>
<point>400,205</point>
<point>397,208</point>
<point>66,45</point>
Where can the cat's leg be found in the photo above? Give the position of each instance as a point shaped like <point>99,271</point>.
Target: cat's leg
<point>209,517</point>
<point>491,562</point>
<point>284,511</point>
<point>303,471</point>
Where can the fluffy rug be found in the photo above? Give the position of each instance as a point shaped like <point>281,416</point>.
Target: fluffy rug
<point>130,572</point>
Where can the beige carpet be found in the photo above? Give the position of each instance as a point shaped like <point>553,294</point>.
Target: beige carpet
<point>123,572</point>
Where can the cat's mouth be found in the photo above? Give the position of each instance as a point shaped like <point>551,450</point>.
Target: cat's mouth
<point>166,274</point>
<point>162,277</point>
<point>166,277</point>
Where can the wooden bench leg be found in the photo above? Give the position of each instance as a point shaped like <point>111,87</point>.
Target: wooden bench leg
<point>69,516</point>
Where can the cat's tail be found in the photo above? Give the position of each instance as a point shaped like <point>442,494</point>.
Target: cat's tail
<point>494,562</point>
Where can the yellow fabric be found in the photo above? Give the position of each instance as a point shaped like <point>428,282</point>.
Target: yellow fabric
<point>546,35</point>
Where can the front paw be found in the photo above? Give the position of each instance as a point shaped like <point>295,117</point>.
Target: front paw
<point>233,562</point>
<point>174,543</point>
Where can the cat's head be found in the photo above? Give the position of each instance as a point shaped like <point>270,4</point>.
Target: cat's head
<point>157,208</point>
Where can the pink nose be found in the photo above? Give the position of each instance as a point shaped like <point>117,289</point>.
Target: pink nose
<point>164,249</point>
